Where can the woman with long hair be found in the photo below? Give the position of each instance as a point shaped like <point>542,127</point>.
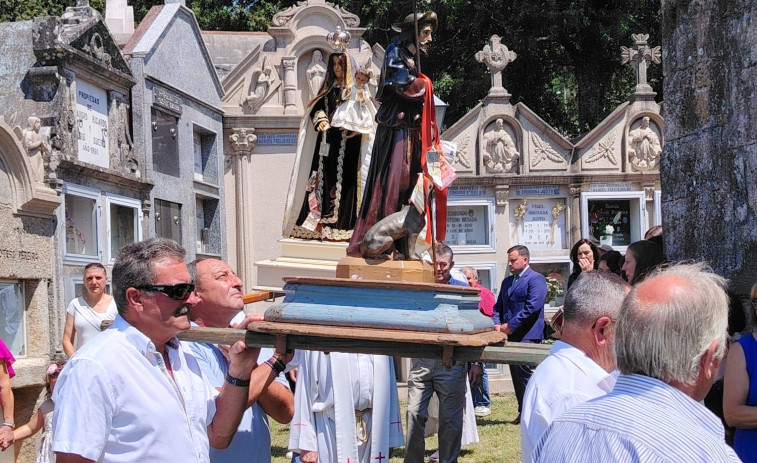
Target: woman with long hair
<point>585,256</point>
<point>641,258</point>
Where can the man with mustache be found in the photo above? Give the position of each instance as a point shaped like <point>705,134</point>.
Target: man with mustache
<point>136,393</point>
<point>220,304</point>
<point>397,152</point>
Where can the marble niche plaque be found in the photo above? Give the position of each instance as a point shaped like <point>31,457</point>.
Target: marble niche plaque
<point>538,223</point>
<point>92,117</point>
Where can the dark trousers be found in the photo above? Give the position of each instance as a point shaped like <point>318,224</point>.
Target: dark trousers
<point>520,375</point>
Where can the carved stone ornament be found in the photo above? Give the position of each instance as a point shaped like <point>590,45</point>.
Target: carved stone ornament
<point>649,192</point>
<point>501,155</point>
<point>575,190</point>
<point>243,141</point>
<point>461,155</point>
<point>543,151</point>
<point>496,57</point>
<point>605,149</point>
<point>96,48</point>
<point>282,18</point>
<point>644,148</point>
<point>640,58</point>
<point>502,195</point>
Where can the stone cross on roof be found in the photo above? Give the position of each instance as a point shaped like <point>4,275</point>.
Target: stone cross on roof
<point>640,57</point>
<point>496,57</point>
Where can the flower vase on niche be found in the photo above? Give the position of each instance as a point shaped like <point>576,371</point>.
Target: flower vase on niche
<point>606,237</point>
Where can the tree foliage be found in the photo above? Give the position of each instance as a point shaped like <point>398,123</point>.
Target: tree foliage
<point>568,68</point>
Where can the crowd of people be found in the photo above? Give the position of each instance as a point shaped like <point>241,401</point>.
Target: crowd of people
<point>641,341</point>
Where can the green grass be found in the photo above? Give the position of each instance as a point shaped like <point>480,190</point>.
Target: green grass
<point>499,440</point>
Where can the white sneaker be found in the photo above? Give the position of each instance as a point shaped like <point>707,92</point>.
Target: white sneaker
<point>482,411</point>
<point>434,458</point>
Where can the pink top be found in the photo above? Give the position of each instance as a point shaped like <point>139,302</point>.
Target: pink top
<point>7,357</point>
<point>487,301</point>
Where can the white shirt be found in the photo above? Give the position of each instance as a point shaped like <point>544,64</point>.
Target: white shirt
<point>87,321</point>
<point>566,378</point>
<point>115,401</point>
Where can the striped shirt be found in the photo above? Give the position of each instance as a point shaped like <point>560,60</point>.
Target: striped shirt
<point>641,420</point>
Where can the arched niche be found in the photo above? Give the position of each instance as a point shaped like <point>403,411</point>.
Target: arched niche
<point>18,179</point>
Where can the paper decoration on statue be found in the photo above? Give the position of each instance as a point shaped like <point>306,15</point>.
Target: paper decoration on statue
<point>418,197</point>
<point>448,173</point>
<point>314,216</point>
<point>434,167</point>
<point>449,149</point>
<point>324,149</point>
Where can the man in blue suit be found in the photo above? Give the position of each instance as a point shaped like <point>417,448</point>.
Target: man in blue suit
<point>519,312</point>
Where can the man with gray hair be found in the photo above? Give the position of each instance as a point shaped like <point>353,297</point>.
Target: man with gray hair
<point>579,365</point>
<point>669,340</point>
<point>135,393</point>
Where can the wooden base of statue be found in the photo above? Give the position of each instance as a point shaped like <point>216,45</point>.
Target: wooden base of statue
<point>356,268</point>
<point>398,305</point>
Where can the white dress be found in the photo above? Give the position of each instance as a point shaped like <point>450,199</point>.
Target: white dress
<point>46,454</point>
<point>357,112</point>
<point>87,321</point>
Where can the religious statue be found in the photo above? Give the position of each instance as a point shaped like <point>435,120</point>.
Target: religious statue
<point>406,153</point>
<point>328,173</point>
<point>35,147</point>
<point>501,154</point>
<point>316,72</point>
<point>260,85</point>
<point>644,146</point>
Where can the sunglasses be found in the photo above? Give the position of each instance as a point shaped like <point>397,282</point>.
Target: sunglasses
<point>179,292</point>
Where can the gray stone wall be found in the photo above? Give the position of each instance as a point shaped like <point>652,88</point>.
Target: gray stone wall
<point>709,164</point>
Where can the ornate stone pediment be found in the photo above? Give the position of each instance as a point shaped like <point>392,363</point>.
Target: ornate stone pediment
<point>284,18</point>
<point>80,36</point>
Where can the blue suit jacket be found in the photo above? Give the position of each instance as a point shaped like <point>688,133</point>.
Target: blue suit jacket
<point>522,306</point>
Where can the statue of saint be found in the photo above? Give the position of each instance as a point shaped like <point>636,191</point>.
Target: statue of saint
<point>316,72</point>
<point>406,132</point>
<point>35,147</point>
<point>501,154</point>
<point>644,146</point>
<point>328,174</point>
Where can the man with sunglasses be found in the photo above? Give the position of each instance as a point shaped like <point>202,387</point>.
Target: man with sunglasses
<point>220,304</point>
<point>135,393</point>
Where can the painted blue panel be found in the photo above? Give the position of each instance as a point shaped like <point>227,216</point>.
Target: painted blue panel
<point>403,308</point>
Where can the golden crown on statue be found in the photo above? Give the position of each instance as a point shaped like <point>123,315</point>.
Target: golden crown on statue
<point>339,39</point>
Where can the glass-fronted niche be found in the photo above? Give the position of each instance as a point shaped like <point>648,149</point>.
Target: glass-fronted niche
<point>617,219</point>
<point>470,226</point>
<point>556,271</point>
<point>89,234</point>
<point>12,317</point>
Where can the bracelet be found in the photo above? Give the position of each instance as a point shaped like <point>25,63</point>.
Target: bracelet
<point>236,381</point>
<point>10,425</point>
<point>278,366</point>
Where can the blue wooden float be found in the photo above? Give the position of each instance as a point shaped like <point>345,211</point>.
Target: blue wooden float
<point>397,305</point>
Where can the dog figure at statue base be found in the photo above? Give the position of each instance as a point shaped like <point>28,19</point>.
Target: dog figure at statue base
<point>394,236</point>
